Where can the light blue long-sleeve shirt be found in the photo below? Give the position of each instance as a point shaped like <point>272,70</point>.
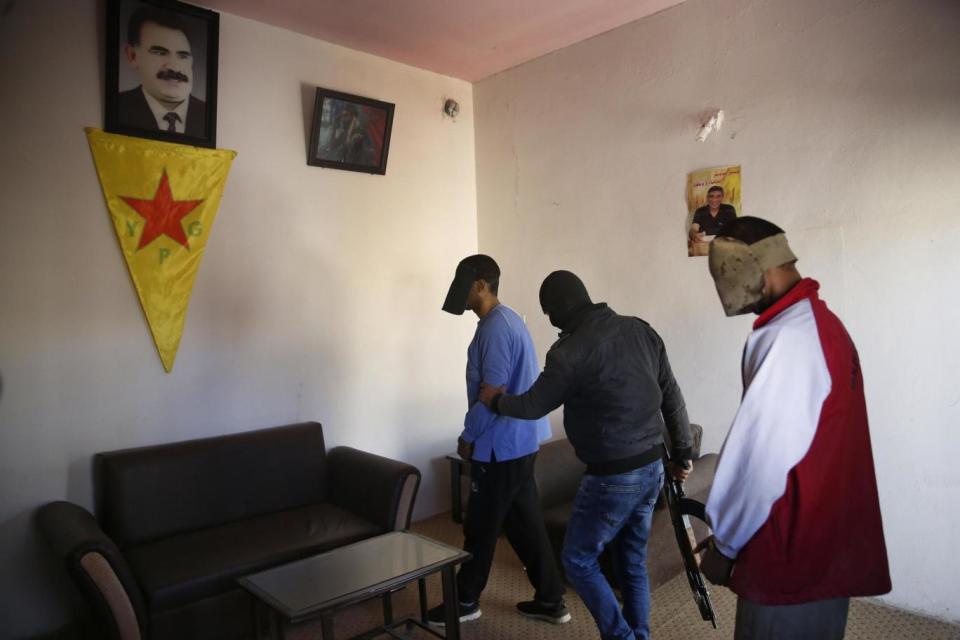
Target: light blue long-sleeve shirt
<point>501,352</point>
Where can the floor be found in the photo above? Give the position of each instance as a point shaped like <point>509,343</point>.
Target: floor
<point>674,614</point>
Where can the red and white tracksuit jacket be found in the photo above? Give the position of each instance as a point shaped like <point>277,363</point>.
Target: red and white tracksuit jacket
<point>795,495</point>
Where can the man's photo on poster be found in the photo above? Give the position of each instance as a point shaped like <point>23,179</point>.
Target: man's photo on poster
<point>350,132</point>
<point>713,200</point>
<point>162,71</point>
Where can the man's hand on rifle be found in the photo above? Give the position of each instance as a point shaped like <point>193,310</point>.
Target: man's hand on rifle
<point>713,564</point>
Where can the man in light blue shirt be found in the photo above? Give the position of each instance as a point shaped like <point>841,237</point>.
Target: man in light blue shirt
<point>502,350</point>
<point>502,451</point>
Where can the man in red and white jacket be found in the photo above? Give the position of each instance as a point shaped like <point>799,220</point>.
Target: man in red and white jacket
<point>794,506</point>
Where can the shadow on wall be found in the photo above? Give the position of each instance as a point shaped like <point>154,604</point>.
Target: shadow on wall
<point>281,318</point>
<point>308,97</point>
<point>24,553</point>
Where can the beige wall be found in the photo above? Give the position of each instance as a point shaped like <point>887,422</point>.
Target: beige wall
<point>318,298</point>
<point>844,115</point>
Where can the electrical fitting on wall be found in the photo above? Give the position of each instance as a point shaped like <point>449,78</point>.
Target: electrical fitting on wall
<point>451,107</point>
<point>713,123</point>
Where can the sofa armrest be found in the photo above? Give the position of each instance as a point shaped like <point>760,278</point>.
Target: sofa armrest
<point>698,484</point>
<point>97,568</point>
<point>696,433</point>
<point>379,489</point>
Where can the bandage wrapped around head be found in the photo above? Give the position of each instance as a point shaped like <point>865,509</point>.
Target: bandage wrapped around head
<point>737,269</point>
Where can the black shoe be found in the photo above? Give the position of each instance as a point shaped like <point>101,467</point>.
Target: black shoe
<point>555,613</point>
<point>438,615</point>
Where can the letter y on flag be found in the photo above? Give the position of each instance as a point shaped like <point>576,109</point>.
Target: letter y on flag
<point>162,198</point>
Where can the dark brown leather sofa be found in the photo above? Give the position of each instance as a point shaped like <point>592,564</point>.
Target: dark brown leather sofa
<point>558,473</point>
<point>177,524</point>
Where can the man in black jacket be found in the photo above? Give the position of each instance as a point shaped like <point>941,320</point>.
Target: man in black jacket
<point>613,377</point>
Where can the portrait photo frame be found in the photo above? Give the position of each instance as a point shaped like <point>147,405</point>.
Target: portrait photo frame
<point>161,71</point>
<point>350,132</point>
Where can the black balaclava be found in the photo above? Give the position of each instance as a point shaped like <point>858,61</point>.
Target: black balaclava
<point>562,297</point>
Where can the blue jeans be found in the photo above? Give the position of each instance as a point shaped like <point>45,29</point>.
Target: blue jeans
<point>614,509</point>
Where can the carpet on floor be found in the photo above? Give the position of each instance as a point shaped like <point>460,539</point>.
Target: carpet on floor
<point>674,615</point>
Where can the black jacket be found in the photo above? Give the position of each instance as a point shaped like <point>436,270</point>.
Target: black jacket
<point>612,375</point>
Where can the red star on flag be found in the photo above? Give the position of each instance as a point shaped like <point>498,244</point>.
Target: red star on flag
<point>162,214</point>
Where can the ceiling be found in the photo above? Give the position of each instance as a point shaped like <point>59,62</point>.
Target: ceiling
<point>468,39</point>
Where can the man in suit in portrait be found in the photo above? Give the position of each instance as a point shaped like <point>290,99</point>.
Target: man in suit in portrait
<point>158,48</point>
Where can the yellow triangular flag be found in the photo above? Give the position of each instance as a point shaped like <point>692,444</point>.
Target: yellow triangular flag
<point>163,199</point>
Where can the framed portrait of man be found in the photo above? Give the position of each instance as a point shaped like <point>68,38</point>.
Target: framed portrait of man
<point>350,132</point>
<point>161,76</point>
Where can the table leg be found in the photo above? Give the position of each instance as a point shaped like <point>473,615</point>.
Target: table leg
<point>387,609</point>
<point>457,506</point>
<point>276,625</point>
<point>451,604</point>
<point>423,600</point>
<point>257,619</point>
<point>326,626</point>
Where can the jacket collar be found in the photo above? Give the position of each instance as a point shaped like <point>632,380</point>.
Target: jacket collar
<point>805,288</point>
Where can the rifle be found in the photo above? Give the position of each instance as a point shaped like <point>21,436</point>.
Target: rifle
<point>680,506</point>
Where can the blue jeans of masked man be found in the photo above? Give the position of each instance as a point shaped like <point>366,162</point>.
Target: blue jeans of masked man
<point>614,510</point>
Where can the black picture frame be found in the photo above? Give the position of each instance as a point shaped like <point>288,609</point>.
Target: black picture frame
<point>350,132</point>
<point>128,110</point>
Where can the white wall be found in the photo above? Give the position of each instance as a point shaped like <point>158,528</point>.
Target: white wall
<point>844,115</point>
<point>318,298</point>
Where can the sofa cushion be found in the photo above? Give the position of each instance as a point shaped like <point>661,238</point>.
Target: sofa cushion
<point>150,493</point>
<point>191,566</point>
<point>698,484</point>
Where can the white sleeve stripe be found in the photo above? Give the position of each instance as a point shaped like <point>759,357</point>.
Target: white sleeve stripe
<point>788,381</point>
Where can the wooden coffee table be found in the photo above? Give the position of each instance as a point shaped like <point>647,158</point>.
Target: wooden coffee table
<point>321,585</point>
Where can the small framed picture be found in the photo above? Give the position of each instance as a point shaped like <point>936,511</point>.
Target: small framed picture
<point>161,79</point>
<point>350,132</point>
